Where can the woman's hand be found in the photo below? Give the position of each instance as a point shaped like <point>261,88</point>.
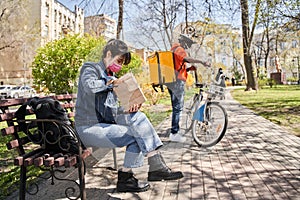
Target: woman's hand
<point>110,82</point>
<point>134,108</point>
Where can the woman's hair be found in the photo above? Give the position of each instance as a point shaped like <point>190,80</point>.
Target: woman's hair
<point>117,47</point>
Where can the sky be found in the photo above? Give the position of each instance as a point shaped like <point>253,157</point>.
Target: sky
<point>110,8</point>
<point>93,7</point>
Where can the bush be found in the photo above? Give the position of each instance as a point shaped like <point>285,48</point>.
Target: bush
<point>56,65</point>
<point>266,82</point>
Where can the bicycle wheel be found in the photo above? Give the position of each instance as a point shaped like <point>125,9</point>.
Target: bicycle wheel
<point>190,109</point>
<point>213,128</point>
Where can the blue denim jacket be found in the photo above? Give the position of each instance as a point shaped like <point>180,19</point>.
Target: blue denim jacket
<point>91,107</point>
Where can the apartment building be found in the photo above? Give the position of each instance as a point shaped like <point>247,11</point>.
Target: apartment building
<point>42,22</point>
<point>55,19</point>
<point>100,25</point>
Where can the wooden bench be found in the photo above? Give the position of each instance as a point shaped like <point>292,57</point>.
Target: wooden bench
<point>33,155</point>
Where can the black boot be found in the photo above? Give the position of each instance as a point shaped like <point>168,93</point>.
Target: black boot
<point>158,170</point>
<point>128,183</point>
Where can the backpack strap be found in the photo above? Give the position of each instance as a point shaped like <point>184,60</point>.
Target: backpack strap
<point>181,66</point>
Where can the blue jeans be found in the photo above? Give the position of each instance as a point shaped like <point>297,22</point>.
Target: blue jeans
<point>176,91</point>
<point>132,130</point>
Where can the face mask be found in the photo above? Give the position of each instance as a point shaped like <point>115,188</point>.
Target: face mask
<point>115,67</point>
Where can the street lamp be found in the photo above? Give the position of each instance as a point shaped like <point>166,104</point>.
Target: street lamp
<point>294,59</point>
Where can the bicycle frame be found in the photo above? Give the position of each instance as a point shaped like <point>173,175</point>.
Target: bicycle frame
<point>207,128</point>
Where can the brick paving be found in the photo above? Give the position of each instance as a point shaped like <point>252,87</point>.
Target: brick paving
<point>255,160</point>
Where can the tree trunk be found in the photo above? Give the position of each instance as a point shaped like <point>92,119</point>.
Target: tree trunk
<point>120,19</point>
<point>247,37</point>
<point>186,16</point>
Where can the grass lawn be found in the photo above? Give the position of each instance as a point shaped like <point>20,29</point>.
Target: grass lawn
<point>280,104</point>
<point>158,113</point>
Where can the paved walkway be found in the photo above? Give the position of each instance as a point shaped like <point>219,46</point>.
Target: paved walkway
<point>255,160</point>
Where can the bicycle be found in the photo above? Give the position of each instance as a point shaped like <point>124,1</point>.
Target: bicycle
<point>206,118</point>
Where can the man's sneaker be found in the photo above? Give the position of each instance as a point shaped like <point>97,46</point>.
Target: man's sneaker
<point>177,137</point>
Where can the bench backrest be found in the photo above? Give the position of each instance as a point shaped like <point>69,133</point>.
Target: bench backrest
<point>8,107</point>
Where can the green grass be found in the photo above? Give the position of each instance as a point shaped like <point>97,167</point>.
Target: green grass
<point>160,112</point>
<point>280,104</point>
<point>9,174</point>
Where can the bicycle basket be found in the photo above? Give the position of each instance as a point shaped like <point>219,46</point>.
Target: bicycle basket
<point>216,90</point>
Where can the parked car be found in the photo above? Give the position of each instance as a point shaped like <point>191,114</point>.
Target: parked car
<point>4,90</point>
<point>21,91</point>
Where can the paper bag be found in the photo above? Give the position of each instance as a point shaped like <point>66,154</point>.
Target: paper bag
<point>128,91</point>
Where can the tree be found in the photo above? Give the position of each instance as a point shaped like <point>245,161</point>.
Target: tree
<point>289,10</point>
<point>155,22</point>
<point>120,19</point>
<point>10,35</point>
<point>56,65</point>
<point>247,42</point>
<point>18,40</point>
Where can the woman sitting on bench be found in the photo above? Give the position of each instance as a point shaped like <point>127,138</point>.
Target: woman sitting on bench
<point>100,123</point>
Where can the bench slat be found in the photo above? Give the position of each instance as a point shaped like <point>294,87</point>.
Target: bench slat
<point>58,162</point>
<point>70,161</point>
<point>49,161</point>
<point>20,159</point>
<point>86,153</point>
<point>39,161</point>
<point>8,130</point>
<point>29,161</point>
<point>6,116</point>
<point>13,144</point>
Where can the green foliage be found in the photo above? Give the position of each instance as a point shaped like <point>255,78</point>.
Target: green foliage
<point>56,65</point>
<point>96,53</point>
<point>266,82</point>
<point>292,79</point>
<point>135,66</point>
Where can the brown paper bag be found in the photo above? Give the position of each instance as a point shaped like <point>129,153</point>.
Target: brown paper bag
<point>128,91</point>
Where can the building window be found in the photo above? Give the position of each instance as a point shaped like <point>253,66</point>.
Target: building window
<point>60,19</point>
<point>45,31</point>
<point>47,10</point>
<point>294,44</point>
<point>282,45</point>
<point>55,15</point>
<point>260,62</point>
<point>272,61</point>
<point>224,61</point>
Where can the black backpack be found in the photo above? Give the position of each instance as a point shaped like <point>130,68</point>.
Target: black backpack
<point>53,137</point>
